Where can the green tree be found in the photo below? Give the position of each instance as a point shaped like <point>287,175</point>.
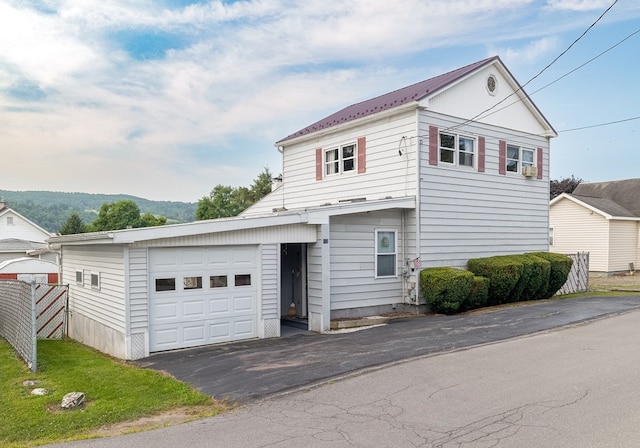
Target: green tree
<point>122,215</point>
<point>225,201</point>
<point>566,185</point>
<point>73,225</point>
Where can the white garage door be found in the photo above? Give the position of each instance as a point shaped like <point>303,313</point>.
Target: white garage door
<point>202,295</point>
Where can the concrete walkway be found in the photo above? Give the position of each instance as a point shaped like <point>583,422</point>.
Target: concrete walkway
<point>245,371</point>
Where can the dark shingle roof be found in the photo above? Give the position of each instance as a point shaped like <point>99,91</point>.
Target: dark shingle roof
<point>405,95</point>
<point>620,198</point>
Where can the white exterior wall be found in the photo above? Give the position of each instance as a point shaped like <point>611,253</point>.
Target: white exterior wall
<point>467,214</point>
<point>138,303</point>
<point>623,243</point>
<point>13,225</point>
<point>578,229</point>
<point>269,292</point>
<point>97,316</point>
<point>387,173</point>
<point>353,282</point>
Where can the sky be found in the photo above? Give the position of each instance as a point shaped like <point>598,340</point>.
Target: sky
<point>165,99</point>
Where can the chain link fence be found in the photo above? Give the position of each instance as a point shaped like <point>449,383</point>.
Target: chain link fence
<point>18,319</point>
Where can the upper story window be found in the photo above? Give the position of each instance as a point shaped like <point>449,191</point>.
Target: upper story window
<point>9,220</point>
<point>457,150</point>
<point>518,158</point>
<point>340,160</point>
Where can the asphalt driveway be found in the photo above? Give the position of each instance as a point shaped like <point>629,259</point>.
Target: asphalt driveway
<point>245,371</point>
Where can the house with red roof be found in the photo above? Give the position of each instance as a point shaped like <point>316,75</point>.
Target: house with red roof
<point>432,174</point>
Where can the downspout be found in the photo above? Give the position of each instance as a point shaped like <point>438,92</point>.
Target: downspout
<point>418,197</point>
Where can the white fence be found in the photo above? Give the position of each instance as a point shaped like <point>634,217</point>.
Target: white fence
<point>29,312</point>
<point>578,280</point>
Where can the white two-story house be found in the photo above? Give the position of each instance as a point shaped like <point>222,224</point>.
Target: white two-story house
<point>432,174</point>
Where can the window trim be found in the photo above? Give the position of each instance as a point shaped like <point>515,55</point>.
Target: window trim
<point>457,151</point>
<point>98,280</point>
<point>386,254</point>
<point>80,278</point>
<point>520,162</point>
<point>340,159</point>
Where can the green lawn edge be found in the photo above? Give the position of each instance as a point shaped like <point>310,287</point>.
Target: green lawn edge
<point>115,391</point>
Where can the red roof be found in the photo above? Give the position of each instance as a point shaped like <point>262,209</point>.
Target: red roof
<point>405,95</point>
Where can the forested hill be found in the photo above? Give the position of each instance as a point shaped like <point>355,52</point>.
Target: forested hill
<point>50,209</point>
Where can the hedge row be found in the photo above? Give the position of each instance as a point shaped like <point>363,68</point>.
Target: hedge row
<point>494,280</point>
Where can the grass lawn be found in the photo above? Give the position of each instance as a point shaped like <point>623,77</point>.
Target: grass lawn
<point>115,392</point>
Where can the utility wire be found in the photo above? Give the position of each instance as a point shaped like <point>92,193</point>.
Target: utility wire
<point>566,74</point>
<point>540,72</point>
<point>600,124</point>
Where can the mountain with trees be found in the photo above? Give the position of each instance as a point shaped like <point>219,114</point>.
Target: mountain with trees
<point>51,209</point>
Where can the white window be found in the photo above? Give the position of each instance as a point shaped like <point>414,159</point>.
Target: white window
<point>550,236</point>
<point>340,160</point>
<point>95,281</point>
<point>457,150</point>
<point>79,277</point>
<point>9,220</point>
<point>518,158</point>
<point>386,253</point>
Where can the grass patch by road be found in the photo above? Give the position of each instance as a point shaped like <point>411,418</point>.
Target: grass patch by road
<point>115,392</point>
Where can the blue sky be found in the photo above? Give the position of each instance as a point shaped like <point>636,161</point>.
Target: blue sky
<point>166,99</point>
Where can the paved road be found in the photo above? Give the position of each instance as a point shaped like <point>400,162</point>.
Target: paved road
<point>577,386</point>
<point>245,371</point>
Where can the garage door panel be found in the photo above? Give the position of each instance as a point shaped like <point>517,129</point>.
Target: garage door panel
<point>219,308</point>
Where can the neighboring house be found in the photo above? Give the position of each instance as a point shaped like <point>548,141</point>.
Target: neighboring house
<point>20,237</point>
<point>601,218</point>
<point>368,197</point>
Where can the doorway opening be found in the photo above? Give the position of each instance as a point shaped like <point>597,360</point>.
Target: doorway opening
<point>293,285</point>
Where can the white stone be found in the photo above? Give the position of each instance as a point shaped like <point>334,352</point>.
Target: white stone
<point>39,391</point>
<point>72,400</point>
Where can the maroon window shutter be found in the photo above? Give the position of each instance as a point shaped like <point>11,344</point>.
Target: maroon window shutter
<point>502,157</point>
<point>362,154</point>
<point>481,151</point>
<point>433,145</point>
<point>319,164</point>
<point>539,163</point>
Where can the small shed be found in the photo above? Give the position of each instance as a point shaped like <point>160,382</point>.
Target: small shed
<point>29,269</point>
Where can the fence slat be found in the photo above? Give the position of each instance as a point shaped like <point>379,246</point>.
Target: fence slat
<point>578,280</point>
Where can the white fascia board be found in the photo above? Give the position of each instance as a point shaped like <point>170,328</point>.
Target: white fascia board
<point>206,226</point>
<point>579,202</point>
<point>349,124</point>
<point>321,215</point>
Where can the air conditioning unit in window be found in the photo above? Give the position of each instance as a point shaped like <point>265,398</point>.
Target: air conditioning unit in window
<point>529,171</point>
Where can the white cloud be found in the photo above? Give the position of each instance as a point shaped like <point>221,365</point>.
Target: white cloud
<point>578,5</point>
<point>532,53</point>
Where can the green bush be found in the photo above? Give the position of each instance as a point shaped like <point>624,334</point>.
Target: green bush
<point>445,289</point>
<point>560,267</point>
<point>478,295</point>
<point>535,275</point>
<point>503,272</point>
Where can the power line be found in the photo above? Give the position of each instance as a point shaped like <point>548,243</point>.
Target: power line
<point>566,74</point>
<point>539,73</point>
<point>601,124</point>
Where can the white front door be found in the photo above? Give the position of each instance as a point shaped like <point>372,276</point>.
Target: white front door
<point>202,295</point>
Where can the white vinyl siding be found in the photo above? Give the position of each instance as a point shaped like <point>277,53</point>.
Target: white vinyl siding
<point>578,229</point>
<point>138,290</point>
<point>270,285</point>
<point>468,214</point>
<point>104,305</point>
<point>353,276</point>
<point>20,228</point>
<point>623,240</point>
<point>387,172</point>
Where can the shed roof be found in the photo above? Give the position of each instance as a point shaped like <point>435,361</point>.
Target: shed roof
<point>622,197</point>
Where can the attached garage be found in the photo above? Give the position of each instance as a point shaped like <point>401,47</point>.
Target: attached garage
<point>134,292</point>
<point>202,295</point>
